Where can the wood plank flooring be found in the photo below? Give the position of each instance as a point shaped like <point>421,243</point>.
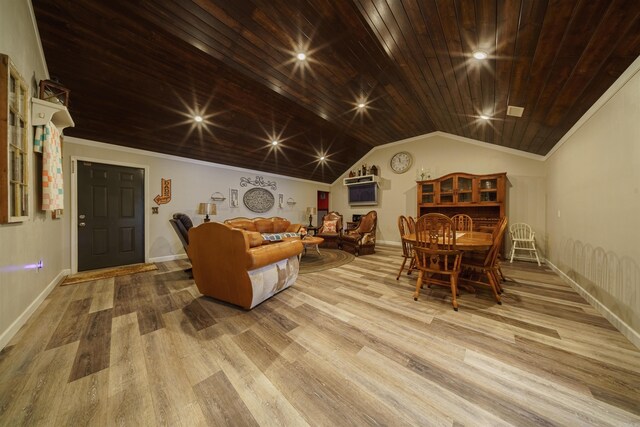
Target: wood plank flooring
<point>346,346</point>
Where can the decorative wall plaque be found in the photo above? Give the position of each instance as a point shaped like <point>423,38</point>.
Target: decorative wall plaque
<point>258,200</point>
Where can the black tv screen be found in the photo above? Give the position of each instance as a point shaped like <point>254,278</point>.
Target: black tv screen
<point>363,194</point>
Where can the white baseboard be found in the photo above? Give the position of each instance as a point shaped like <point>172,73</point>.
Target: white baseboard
<point>22,319</point>
<point>618,323</point>
<point>168,258</point>
<point>389,242</point>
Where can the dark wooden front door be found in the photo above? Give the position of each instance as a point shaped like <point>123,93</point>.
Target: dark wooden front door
<point>110,215</point>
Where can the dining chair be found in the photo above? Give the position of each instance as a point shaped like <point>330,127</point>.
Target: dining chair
<point>476,268</point>
<point>523,239</point>
<point>436,254</point>
<point>407,245</point>
<point>462,222</point>
<point>412,224</point>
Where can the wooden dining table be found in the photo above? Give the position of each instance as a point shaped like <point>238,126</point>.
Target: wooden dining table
<point>469,241</point>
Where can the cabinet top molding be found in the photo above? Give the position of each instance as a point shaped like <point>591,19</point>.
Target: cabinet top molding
<point>450,175</point>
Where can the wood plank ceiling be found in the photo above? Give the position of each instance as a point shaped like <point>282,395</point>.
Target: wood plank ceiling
<point>140,70</point>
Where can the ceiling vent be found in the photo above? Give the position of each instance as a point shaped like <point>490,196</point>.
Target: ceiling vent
<point>515,111</point>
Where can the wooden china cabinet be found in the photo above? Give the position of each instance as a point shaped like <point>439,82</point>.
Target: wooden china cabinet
<point>482,197</point>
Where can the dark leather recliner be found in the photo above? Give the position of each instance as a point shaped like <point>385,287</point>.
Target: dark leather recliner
<point>181,224</point>
<point>362,239</point>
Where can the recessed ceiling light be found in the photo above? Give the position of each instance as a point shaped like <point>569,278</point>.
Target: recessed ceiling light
<point>479,54</point>
<point>198,119</point>
<point>274,142</point>
<point>361,105</point>
<point>484,117</point>
<point>301,56</point>
<point>321,158</point>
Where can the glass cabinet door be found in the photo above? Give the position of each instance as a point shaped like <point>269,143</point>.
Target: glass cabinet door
<point>488,190</point>
<point>427,193</point>
<point>465,190</point>
<point>446,191</point>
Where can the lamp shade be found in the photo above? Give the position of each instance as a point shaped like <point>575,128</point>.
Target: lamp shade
<point>207,209</point>
<point>311,211</point>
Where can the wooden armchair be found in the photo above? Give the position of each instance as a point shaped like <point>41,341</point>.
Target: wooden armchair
<point>331,230</point>
<point>462,222</point>
<point>362,239</point>
<point>437,258</point>
<point>477,267</point>
<point>405,227</point>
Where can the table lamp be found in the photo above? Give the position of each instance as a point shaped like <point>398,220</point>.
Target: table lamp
<point>207,209</point>
<point>311,212</point>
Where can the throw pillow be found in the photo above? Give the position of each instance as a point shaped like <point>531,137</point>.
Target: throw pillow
<point>329,226</point>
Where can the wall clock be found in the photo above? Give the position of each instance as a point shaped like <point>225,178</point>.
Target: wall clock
<point>401,162</point>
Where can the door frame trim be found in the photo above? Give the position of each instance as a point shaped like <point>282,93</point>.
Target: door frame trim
<point>74,204</point>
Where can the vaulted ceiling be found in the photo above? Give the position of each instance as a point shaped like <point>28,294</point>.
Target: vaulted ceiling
<point>140,70</point>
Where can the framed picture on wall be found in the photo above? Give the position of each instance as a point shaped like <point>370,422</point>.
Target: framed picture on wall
<point>233,197</point>
<point>280,200</point>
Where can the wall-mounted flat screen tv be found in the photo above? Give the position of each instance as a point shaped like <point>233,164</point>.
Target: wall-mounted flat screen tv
<point>363,194</point>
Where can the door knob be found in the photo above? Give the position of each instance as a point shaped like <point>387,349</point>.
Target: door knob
<point>82,224</point>
<point>82,216</point>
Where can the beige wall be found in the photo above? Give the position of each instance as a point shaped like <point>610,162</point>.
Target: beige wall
<point>441,154</point>
<point>192,182</point>
<point>593,205</point>
<point>40,237</point>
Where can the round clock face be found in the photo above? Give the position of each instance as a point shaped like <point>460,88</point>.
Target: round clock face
<point>401,162</point>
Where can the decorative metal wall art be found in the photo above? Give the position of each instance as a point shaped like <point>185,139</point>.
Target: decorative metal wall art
<point>165,195</point>
<point>258,200</point>
<point>258,182</point>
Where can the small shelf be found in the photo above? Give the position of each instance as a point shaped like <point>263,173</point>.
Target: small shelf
<point>364,179</point>
<point>43,112</point>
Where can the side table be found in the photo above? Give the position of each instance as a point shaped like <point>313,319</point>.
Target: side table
<point>309,229</point>
<point>311,241</point>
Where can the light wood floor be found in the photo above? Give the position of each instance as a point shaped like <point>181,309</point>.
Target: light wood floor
<point>347,346</point>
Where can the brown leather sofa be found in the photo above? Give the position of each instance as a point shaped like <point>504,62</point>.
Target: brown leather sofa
<point>233,265</point>
<point>362,239</point>
<point>265,226</point>
<point>331,238</point>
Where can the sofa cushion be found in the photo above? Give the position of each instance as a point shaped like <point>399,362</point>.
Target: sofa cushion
<point>243,224</point>
<point>280,225</point>
<point>255,238</point>
<point>263,225</point>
